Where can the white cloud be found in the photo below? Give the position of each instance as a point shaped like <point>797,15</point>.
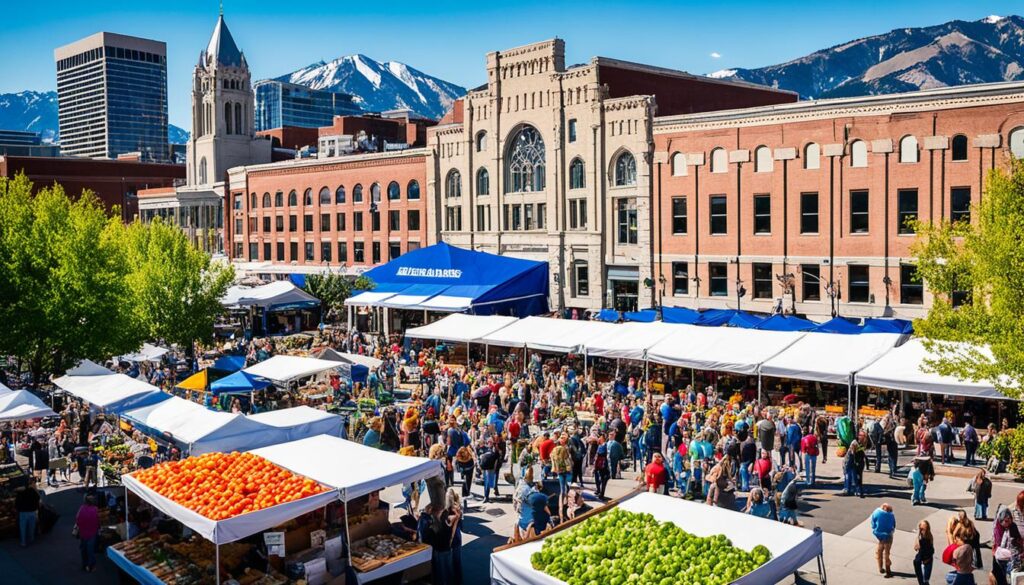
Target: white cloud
<point>716,55</point>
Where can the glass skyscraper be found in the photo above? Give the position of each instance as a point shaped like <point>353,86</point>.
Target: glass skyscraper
<point>279,103</point>
<point>112,97</point>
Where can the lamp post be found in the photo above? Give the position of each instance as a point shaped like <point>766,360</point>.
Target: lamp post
<point>740,292</point>
<point>831,288</point>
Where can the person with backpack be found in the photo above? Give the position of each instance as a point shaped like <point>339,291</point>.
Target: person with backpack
<point>971,442</point>
<point>601,471</point>
<point>945,440</point>
<point>578,453</point>
<point>489,462</point>
<point>875,434</point>
<point>981,487</point>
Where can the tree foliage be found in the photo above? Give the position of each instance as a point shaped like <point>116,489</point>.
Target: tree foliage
<point>333,289</point>
<point>984,261</point>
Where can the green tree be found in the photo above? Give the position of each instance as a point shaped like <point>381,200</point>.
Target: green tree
<point>333,289</point>
<point>62,264</point>
<point>982,262</point>
<point>177,287</point>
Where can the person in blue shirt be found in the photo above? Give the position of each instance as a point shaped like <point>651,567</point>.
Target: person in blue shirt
<point>536,511</point>
<point>883,526</point>
<point>793,436</point>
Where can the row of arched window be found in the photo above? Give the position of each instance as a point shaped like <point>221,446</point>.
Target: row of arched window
<point>339,195</point>
<point>233,111</point>
<point>909,152</point>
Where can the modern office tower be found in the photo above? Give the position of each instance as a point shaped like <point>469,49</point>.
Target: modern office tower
<point>112,97</point>
<point>279,104</point>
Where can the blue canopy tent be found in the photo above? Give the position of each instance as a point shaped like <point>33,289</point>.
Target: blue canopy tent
<point>840,325</point>
<point>644,316</point>
<point>679,315</point>
<point>454,280</point>
<point>229,363</point>
<point>783,323</point>
<point>901,326</point>
<point>239,383</point>
<point>728,318</point>
<point>608,316</point>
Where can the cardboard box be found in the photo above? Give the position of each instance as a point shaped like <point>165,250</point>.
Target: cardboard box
<point>296,539</point>
<point>376,524</point>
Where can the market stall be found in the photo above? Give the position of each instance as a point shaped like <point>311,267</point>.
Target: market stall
<point>239,383</point>
<point>22,405</point>
<point>148,353</point>
<point>300,422</point>
<point>547,334</point>
<point>790,547</point>
<point>107,391</point>
<point>459,328</point>
<point>285,368</point>
<point>726,349</point>
<point>905,368</point>
<point>628,341</point>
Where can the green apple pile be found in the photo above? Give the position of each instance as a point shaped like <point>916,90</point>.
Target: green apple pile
<point>624,548</point>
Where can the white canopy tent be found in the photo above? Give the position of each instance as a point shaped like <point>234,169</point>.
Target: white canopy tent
<point>629,341</point>
<point>547,334</point>
<point>791,546</point>
<point>106,390</point>
<point>279,292</point>
<point>829,357</point>
<point>148,353</point>
<point>904,368</point>
<point>725,349</point>
<point>368,298</point>
<point>300,422</point>
<point>284,368</point>
<point>22,405</point>
<point>4,389</point>
<point>333,355</point>
<point>461,328</point>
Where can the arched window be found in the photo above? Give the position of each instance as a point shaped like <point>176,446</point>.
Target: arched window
<point>763,160</point>
<point>307,197</point>
<point>625,170</point>
<point>483,182</point>
<point>293,198</point>
<point>453,184</point>
<point>227,118</point>
<point>412,191</point>
<point>1017,142</point>
<point>266,200</point>
<point>357,193</point>
<point>812,156</point>
<point>375,193</point>
<point>325,196</point>
<point>908,149</point>
<point>678,165</point>
<point>202,171</point>
<point>525,161</point>
<point>394,191</point>
<point>278,199</point>
<point>859,153</point>
<point>719,161</point>
<point>577,174</point>
<point>252,201</point>
<point>481,141</point>
<point>339,194</point>
<point>238,119</point>
<point>959,147</point>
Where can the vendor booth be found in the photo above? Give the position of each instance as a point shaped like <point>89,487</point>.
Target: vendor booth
<point>239,383</point>
<point>461,328</point>
<point>285,368</point>
<point>107,391</point>
<point>726,349</point>
<point>301,421</point>
<point>278,307</point>
<point>148,353</point>
<point>791,547</point>
<point>547,334</point>
<point>22,405</point>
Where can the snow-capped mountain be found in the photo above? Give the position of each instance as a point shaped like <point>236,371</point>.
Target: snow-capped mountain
<point>36,111</point>
<point>377,87</point>
<point>907,59</point>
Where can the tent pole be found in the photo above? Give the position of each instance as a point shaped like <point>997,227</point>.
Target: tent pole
<point>348,539</point>
<point>759,387</point>
<point>487,354</point>
<point>849,398</point>
<point>469,362</point>
<point>586,373</point>
<point>216,566</point>
<point>349,313</point>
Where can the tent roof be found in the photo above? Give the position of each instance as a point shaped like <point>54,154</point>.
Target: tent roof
<point>239,382</point>
<point>609,316</point>
<point>148,353</point>
<point>4,389</point>
<point>334,355</point>
<point>828,357</point>
<point>352,468</point>
<point>679,315</point>
<point>903,369</point>
<point>644,316</point>
<point>196,381</point>
<point>839,325</point>
<point>22,405</point>
<point>461,328</point>
<point>547,334</point>
<point>628,341</point>
<point>106,390</point>
<point>301,422</point>
<point>229,363</point>
<point>269,296</point>
<point>784,323</point>
<point>877,325</point>
<point>282,368</point>
<point>727,349</point>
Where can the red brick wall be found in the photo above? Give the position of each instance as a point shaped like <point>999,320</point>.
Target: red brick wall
<point>292,136</point>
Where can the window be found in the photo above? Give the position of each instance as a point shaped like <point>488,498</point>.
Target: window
<point>960,204</point>
<point>528,216</point>
<point>810,282</point>
<point>577,174</point>
<point>412,191</point>
<point>252,201</point>
<point>375,251</point>
<point>279,223</point>
<point>238,226</point>
<point>860,283</point>
<point>358,252</point>
<point>279,199</point>
<point>375,193</point>
<point>808,213</point>
<point>572,130</point>
<point>679,216</point>
<point>375,221</point>
<point>626,221</point>
<point>357,221</point>
<point>859,212</point>
<point>453,184</point>
<point>959,147</point>
<point>266,200</point>
<point>762,280</point>
<point>906,201</point>
<point>483,182</point>
<point>293,223</point>
<point>394,250</point>
<point>412,219</point>
<point>340,222</point>
<point>307,197</point>
<point>911,286</point>
<point>481,141</point>
<point>505,216</point>
<point>678,165</point>
<point>238,250</point>
<point>394,220</point>
<point>357,193</point>
<point>266,224</point>
<point>908,149</point>
<point>309,251</point>
<point>718,274</point>
<point>453,219</point>
<point>719,161</point>
<point>238,201</point>
<point>342,252</point>
<point>542,210</point>
<point>307,223</point>
<point>763,160</point>
<point>293,198</point>
<point>254,251</point>
<point>266,251</point>
<point>412,246</point>
<point>293,251</point>
<point>280,252</point>
<point>581,278</point>
<point>1017,142</point>
<point>482,217</point>
<point>325,251</point>
<point>325,222</point>
<point>859,154</point>
<point>394,191</point>
<point>252,225</point>
<point>680,278</point>
<point>577,214</point>
<point>524,169</point>
<point>325,196</point>
<point>517,217</point>
<point>719,215</point>
<point>762,214</point>
<point>625,170</point>
<point>812,156</point>
<point>202,171</point>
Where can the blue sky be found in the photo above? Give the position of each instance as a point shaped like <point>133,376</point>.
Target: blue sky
<point>449,39</point>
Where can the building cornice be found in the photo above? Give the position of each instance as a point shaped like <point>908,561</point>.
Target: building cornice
<point>319,165</point>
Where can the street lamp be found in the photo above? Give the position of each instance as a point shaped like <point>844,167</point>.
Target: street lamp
<point>831,288</point>
<point>740,292</point>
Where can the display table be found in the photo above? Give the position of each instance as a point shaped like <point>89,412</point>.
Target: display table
<point>134,571</point>
<point>406,562</point>
<point>791,546</point>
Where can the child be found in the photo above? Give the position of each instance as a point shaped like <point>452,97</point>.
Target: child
<point>925,551</point>
<point>981,487</point>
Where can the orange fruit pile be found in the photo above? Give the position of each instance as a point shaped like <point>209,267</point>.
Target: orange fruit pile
<point>224,485</point>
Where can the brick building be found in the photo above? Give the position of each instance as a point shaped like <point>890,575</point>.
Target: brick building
<point>311,215</point>
<point>805,206</point>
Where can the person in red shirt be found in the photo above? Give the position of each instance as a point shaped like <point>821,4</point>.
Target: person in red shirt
<point>544,450</point>
<point>763,470</point>
<point>598,404</point>
<point>514,428</point>
<point>655,475</point>
<point>809,447</point>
